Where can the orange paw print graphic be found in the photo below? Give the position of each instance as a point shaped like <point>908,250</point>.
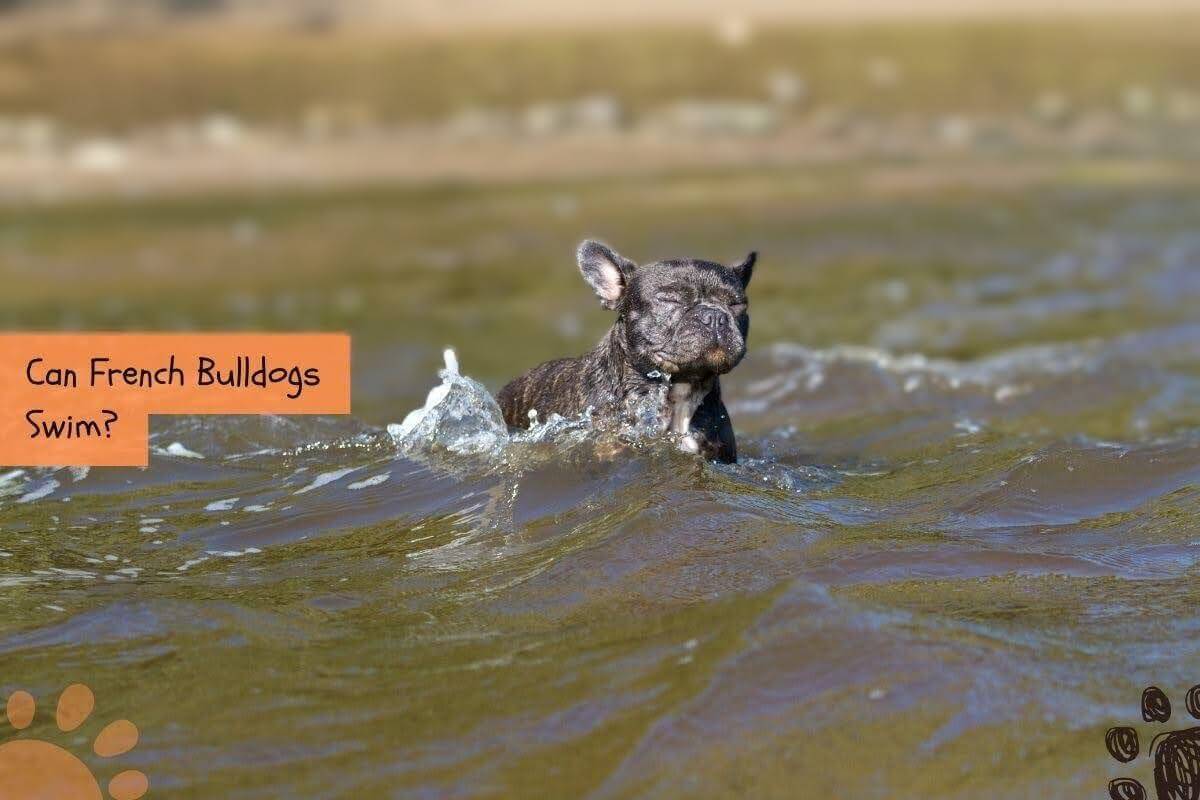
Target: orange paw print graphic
<point>32,769</point>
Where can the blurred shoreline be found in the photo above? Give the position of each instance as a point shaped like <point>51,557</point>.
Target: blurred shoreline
<point>455,17</point>
<point>190,110</point>
<point>421,159</point>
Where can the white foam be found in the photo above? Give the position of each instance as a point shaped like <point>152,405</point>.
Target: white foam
<point>45,490</point>
<point>374,480</point>
<point>222,505</point>
<point>234,553</point>
<point>327,477</point>
<point>177,449</point>
<point>11,581</point>
<point>10,476</point>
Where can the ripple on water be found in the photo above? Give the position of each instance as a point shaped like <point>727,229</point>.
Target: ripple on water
<point>911,549</point>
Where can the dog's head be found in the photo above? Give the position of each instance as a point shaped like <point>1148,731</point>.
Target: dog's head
<point>683,317</point>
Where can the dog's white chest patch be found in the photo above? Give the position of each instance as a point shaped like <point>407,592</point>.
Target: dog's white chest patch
<point>683,399</point>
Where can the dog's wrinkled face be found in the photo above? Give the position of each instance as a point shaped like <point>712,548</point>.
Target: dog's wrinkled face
<point>685,318</point>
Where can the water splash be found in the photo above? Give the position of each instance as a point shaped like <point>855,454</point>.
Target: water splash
<point>459,415</point>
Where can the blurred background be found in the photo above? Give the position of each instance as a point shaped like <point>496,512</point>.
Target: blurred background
<point>962,537</point>
<point>386,167</point>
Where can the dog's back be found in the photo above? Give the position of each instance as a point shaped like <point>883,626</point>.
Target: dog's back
<point>554,387</point>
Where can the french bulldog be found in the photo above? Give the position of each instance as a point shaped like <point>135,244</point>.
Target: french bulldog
<point>681,324</point>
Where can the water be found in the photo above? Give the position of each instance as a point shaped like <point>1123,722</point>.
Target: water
<point>954,553</point>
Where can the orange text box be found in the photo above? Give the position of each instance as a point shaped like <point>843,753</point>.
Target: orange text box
<point>83,399</point>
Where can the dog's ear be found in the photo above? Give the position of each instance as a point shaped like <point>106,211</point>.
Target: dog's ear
<point>605,270</point>
<point>745,269</point>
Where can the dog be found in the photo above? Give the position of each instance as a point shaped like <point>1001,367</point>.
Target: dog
<point>681,324</point>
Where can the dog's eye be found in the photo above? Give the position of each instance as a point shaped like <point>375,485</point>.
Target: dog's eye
<point>669,299</point>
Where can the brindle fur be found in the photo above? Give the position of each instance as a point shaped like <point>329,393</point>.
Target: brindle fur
<point>651,342</point>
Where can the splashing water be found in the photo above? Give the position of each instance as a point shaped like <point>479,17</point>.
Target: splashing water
<point>928,576</point>
<point>449,587</point>
<point>459,415</point>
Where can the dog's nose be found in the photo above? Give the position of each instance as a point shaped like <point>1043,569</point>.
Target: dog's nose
<point>711,317</point>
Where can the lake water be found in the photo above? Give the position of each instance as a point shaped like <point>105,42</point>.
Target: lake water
<point>961,541</point>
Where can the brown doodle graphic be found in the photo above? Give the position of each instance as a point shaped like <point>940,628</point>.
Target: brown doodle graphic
<point>1176,754</point>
